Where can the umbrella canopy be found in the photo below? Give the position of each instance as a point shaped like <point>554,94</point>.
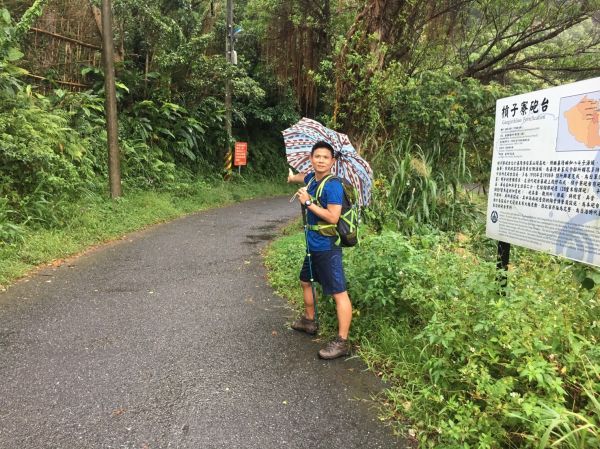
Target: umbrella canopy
<point>299,140</point>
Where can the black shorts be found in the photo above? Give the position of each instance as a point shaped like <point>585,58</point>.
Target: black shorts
<point>327,270</point>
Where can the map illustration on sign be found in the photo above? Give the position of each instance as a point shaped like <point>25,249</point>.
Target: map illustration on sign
<point>579,123</point>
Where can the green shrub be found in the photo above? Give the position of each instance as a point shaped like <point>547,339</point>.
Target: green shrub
<point>9,231</point>
<point>40,152</point>
<point>470,367</point>
<point>9,55</point>
<point>434,107</point>
<point>431,109</point>
<point>86,116</point>
<point>489,366</point>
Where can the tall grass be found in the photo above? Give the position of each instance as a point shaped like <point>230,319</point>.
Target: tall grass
<point>423,186</point>
<point>570,430</point>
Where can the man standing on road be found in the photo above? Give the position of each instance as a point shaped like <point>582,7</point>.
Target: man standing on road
<point>325,255</point>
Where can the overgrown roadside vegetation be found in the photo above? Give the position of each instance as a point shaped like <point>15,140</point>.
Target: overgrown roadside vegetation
<point>468,366</point>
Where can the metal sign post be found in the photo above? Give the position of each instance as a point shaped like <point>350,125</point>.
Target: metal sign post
<point>228,56</point>
<point>502,265</point>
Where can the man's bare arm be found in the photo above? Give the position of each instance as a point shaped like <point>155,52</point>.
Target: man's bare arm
<point>330,215</point>
<point>296,178</point>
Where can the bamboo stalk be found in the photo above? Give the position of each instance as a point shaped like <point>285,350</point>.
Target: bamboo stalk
<point>68,39</point>
<point>68,83</point>
<point>73,62</point>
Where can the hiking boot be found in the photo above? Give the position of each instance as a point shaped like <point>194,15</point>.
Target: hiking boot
<point>303,324</point>
<point>334,349</point>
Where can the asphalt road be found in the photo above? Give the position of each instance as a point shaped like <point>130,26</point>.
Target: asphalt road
<point>171,338</point>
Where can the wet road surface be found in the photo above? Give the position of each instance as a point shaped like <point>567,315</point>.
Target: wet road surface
<point>171,338</point>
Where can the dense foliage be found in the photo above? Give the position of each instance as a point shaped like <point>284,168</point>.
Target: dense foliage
<point>171,121</point>
<point>482,368</point>
<point>471,367</point>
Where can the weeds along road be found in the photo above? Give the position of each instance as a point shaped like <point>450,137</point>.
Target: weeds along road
<point>171,338</point>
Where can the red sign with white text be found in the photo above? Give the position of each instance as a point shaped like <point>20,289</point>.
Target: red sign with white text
<point>239,156</point>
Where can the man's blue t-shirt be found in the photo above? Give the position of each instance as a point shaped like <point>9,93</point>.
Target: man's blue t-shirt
<point>333,193</point>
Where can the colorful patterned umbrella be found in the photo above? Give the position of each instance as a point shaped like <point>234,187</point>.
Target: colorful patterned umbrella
<point>299,140</point>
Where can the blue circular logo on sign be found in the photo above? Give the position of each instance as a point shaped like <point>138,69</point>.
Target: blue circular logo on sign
<point>494,216</point>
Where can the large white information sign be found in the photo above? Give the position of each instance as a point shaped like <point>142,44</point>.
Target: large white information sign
<point>545,182</point>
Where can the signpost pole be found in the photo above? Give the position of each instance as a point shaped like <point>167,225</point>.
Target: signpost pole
<point>228,89</point>
<point>502,265</point>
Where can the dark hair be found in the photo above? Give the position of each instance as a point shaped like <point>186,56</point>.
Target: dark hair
<point>322,144</point>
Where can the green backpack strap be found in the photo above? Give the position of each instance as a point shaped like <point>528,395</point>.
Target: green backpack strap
<point>322,228</point>
<point>320,188</point>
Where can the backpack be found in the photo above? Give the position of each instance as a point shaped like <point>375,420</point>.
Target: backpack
<point>346,228</point>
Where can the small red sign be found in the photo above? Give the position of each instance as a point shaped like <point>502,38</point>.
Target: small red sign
<point>241,150</point>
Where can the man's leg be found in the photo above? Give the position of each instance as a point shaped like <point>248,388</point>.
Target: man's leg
<point>340,347</point>
<point>307,323</point>
<point>343,308</point>
<point>334,280</point>
<point>309,301</point>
